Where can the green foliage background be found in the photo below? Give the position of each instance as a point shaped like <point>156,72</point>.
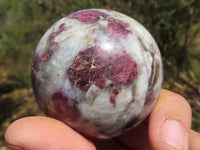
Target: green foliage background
<point>175,25</point>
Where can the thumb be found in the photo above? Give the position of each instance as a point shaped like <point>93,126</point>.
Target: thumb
<point>170,123</point>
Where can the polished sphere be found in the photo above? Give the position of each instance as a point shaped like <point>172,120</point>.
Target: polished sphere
<point>99,71</point>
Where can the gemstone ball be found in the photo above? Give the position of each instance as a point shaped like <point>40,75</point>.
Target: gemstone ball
<point>99,71</point>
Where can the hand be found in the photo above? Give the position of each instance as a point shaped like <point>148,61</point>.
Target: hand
<point>167,128</point>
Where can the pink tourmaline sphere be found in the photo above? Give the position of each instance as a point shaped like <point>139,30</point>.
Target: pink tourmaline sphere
<point>98,71</point>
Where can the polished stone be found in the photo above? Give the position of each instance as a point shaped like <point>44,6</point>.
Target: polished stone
<point>99,71</point>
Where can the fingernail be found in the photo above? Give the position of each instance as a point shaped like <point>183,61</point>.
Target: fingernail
<point>173,133</point>
<point>15,147</point>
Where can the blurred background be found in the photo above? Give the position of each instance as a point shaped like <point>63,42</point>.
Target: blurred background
<point>174,24</point>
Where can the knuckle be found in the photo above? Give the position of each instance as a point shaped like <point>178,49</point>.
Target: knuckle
<point>185,104</point>
<point>180,100</point>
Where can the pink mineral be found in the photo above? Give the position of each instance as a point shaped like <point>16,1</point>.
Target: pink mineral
<point>98,71</point>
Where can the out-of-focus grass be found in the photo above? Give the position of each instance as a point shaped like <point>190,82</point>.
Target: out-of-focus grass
<point>23,22</point>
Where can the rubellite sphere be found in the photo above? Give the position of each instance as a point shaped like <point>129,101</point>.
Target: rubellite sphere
<point>99,71</point>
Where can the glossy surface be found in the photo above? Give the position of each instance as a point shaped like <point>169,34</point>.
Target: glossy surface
<point>97,70</point>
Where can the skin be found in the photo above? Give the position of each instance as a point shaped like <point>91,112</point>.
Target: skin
<point>43,133</point>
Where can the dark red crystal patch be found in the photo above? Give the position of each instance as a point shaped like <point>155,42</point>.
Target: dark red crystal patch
<point>44,58</point>
<point>95,66</point>
<point>56,33</point>
<point>113,96</point>
<point>62,107</point>
<point>88,68</point>
<point>124,70</point>
<point>118,28</point>
<point>86,16</point>
<point>47,56</point>
<point>36,62</point>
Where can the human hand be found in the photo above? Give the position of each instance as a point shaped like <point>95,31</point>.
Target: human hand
<point>167,128</point>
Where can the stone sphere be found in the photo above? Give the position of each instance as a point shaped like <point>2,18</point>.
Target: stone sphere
<point>99,71</point>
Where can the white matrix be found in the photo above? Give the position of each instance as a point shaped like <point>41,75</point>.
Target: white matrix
<point>99,71</point>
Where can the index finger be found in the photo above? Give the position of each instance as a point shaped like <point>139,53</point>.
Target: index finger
<point>41,133</point>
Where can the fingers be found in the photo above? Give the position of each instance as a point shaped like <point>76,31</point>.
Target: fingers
<point>168,126</point>
<point>194,140</point>
<point>135,138</point>
<point>170,123</point>
<point>43,133</point>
